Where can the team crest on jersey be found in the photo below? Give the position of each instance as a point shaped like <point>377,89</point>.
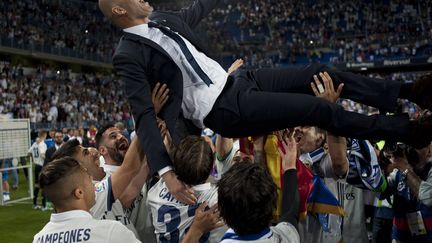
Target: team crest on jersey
<point>99,187</point>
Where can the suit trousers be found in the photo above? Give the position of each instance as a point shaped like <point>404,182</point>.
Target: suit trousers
<point>259,101</point>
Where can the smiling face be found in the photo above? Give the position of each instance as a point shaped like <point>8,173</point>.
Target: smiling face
<point>89,159</point>
<point>113,146</point>
<point>126,13</point>
<point>308,139</point>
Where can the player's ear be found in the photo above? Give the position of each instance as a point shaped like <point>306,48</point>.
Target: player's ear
<point>103,150</point>
<point>78,193</point>
<point>118,10</point>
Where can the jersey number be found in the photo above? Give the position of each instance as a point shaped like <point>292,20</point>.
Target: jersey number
<point>173,224</point>
<point>36,152</point>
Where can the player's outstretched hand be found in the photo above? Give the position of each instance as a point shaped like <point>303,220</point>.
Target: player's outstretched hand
<point>288,150</point>
<point>238,63</point>
<point>204,221</point>
<point>179,189</point>
<point>159,97</point>
<point>327,92</point>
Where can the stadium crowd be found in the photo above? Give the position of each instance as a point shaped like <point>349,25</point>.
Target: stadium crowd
<point>265,33</point>
<point>269,32</point>
<point>52,100</point>
<point>334,181</point>
<point>298,184</point>
<point>57,100</point>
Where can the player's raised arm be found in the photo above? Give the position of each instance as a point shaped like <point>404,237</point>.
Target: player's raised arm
<point>132,163</point>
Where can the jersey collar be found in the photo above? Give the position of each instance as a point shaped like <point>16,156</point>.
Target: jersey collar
<point>73,214</point>
<point>202,187</point>
<point>231,236</point>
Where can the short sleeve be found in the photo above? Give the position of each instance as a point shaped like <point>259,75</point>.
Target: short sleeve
<point>223,165</point>
<point>287,232</point>
<point>326,167</point>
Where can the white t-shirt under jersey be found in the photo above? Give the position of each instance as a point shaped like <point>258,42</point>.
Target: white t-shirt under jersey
<point>79,226</point>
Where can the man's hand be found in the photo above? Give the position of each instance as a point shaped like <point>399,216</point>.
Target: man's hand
<point>166,136</point>
<point>288,150</point>
<point>162,127</point>
<point>238,63</point>
<point>204,221</point>
<point>179,189</point>
<point>159,97</point>
<point>327,92</point>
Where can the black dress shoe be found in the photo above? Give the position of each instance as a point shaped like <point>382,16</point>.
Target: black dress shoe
<point>421,92</point>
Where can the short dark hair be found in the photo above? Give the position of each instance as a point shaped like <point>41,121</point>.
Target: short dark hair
<point>68,149</point>
<point>246,198</point>
<point>99,134</point>
<point>193,160</point>
<point>54,179</point>
<point>57,169</point>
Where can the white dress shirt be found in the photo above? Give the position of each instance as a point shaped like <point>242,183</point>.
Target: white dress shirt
<point>198,98</point>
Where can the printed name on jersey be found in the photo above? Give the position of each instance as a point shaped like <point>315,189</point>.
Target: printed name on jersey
<point>349,196</point>
<point>166,195</point>
<point>120,218</point>
<point>71,236</point>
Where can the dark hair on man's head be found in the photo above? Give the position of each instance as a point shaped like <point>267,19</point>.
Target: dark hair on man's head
<point>57,169</point>
<point>99,134</point>
<point>193,160</point>
<point>247,198</point>
<point>59,178</point>
<point>68,148</point>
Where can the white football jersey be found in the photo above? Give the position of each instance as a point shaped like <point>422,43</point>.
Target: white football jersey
<point>223,166</point>
<point>79,226</point>
<point>139,212</point>
<point>171,218</point>
<point>108,208</point>
<point>140,215</point>
<point>282,232</point>
<point>37,149</point>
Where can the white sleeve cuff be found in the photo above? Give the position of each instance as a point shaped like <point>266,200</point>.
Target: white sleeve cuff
<point>165,170</point>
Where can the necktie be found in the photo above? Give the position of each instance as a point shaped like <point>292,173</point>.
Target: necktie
<point>177,38</point>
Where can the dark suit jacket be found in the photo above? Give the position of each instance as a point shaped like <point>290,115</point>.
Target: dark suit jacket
<point>48,155</point>
<point>141,64</point>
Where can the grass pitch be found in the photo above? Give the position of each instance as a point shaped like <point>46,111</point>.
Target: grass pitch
<point>18,221</point>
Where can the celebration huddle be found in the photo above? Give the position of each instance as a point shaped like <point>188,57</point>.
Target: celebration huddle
<point>211,128</point>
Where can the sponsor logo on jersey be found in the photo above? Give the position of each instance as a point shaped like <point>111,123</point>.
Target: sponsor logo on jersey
<point>99,187</point>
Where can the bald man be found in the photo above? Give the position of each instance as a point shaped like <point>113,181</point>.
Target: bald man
<point>69,187</point>
<point>164,47</point>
